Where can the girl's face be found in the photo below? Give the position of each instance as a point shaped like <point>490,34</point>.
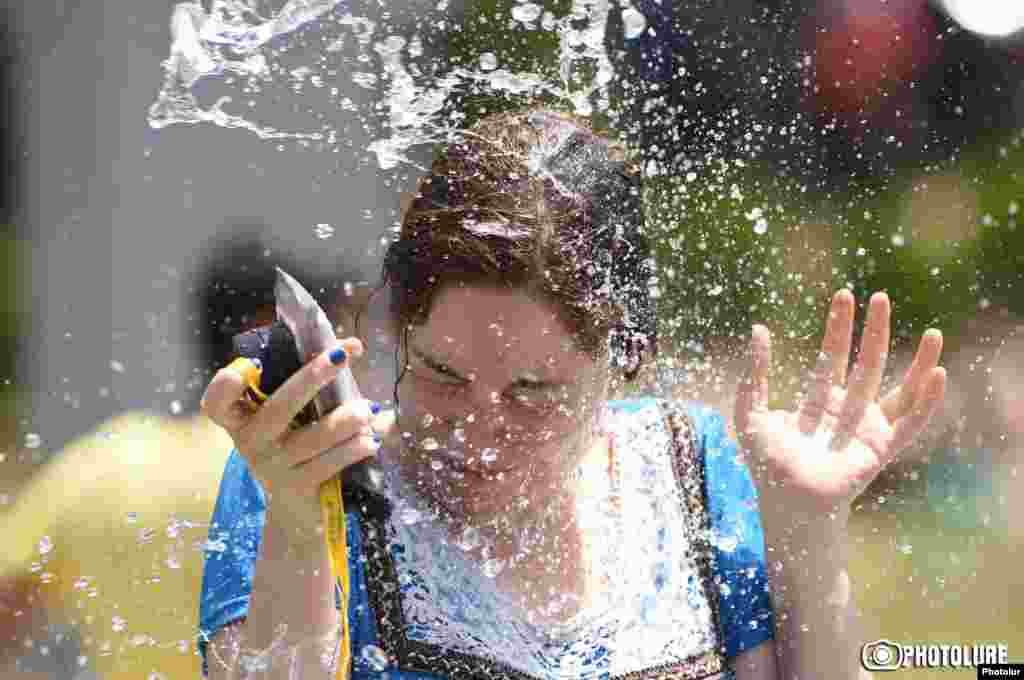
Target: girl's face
<point>497,403</point>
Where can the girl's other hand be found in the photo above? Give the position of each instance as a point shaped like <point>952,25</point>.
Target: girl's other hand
<point>815,459</point>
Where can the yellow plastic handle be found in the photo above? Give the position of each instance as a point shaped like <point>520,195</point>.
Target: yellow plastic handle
<point>251,375</point>
<point>333,509</point>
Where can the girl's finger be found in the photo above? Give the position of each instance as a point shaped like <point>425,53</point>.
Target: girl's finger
<point>752,393</point>
<point>898,402</point>
<point>385,424</point>
<point>911,425</point>
<point>839,334</point>
<point>349,420</point>
<point>325,465</point>
<point>867,375</point>
<point>761,361</point>
<point>272,420</point>
<point>223,400</point>
<point>830,367</point>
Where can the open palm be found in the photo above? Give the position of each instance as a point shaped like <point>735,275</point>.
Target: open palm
<point>819,457</point>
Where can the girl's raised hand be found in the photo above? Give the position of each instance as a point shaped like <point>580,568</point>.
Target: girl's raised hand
<point>816,459</point>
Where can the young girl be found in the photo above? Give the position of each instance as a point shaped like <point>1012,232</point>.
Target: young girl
<point>530,527</point>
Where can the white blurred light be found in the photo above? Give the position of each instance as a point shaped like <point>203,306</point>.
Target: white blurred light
<point>987,17</point>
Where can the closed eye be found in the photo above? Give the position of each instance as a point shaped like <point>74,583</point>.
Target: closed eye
<point>444,370</point>
<point>439,368</point>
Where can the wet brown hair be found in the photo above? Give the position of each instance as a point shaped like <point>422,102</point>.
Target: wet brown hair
<point>534,201</point>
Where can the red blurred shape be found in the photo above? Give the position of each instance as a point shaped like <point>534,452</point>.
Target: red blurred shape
<point>867,55</point>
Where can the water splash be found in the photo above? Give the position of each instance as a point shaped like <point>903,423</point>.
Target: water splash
<point>375,658</point>
<point>225,40</point>
<point>234,42</point>
<point>45,545</point>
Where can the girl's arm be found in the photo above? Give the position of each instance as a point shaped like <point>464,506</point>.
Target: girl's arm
<point>816,623</point>
<point>291,610</point>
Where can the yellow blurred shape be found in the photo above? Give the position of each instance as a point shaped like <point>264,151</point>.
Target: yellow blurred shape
<point>940,209</point>
<point>114,528</point>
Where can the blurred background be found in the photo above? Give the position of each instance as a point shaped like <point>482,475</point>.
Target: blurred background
<point>790,148</point>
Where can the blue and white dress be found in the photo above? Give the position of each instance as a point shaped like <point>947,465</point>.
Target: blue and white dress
<point>694,597</point>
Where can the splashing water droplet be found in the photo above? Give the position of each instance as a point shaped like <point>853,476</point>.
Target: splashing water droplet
<point>374,657</point>
<point>526,12</point>
<point>176,407</point>
<point>633,22</point>
<point>140,639</point>
<point>323,231</point>
<point>216,546</point>
<point>45,545</point>
<point>429,444</point>
<point>761,226</point>
<point>118,624</point>
<point>493,567</point>
<point>489,455</point>
<point>33,441</point>
<point>410,516</point>
<point>173,527</point>
<point>470,538</point>
<point>724,543</point>
<point>259,663</point>
<point>488,62</point>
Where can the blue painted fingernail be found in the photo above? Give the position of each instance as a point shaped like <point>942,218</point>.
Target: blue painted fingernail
<point>376,437</point>
<point>375,408</point>
<point>337,356</point>
<point>256,362</point>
